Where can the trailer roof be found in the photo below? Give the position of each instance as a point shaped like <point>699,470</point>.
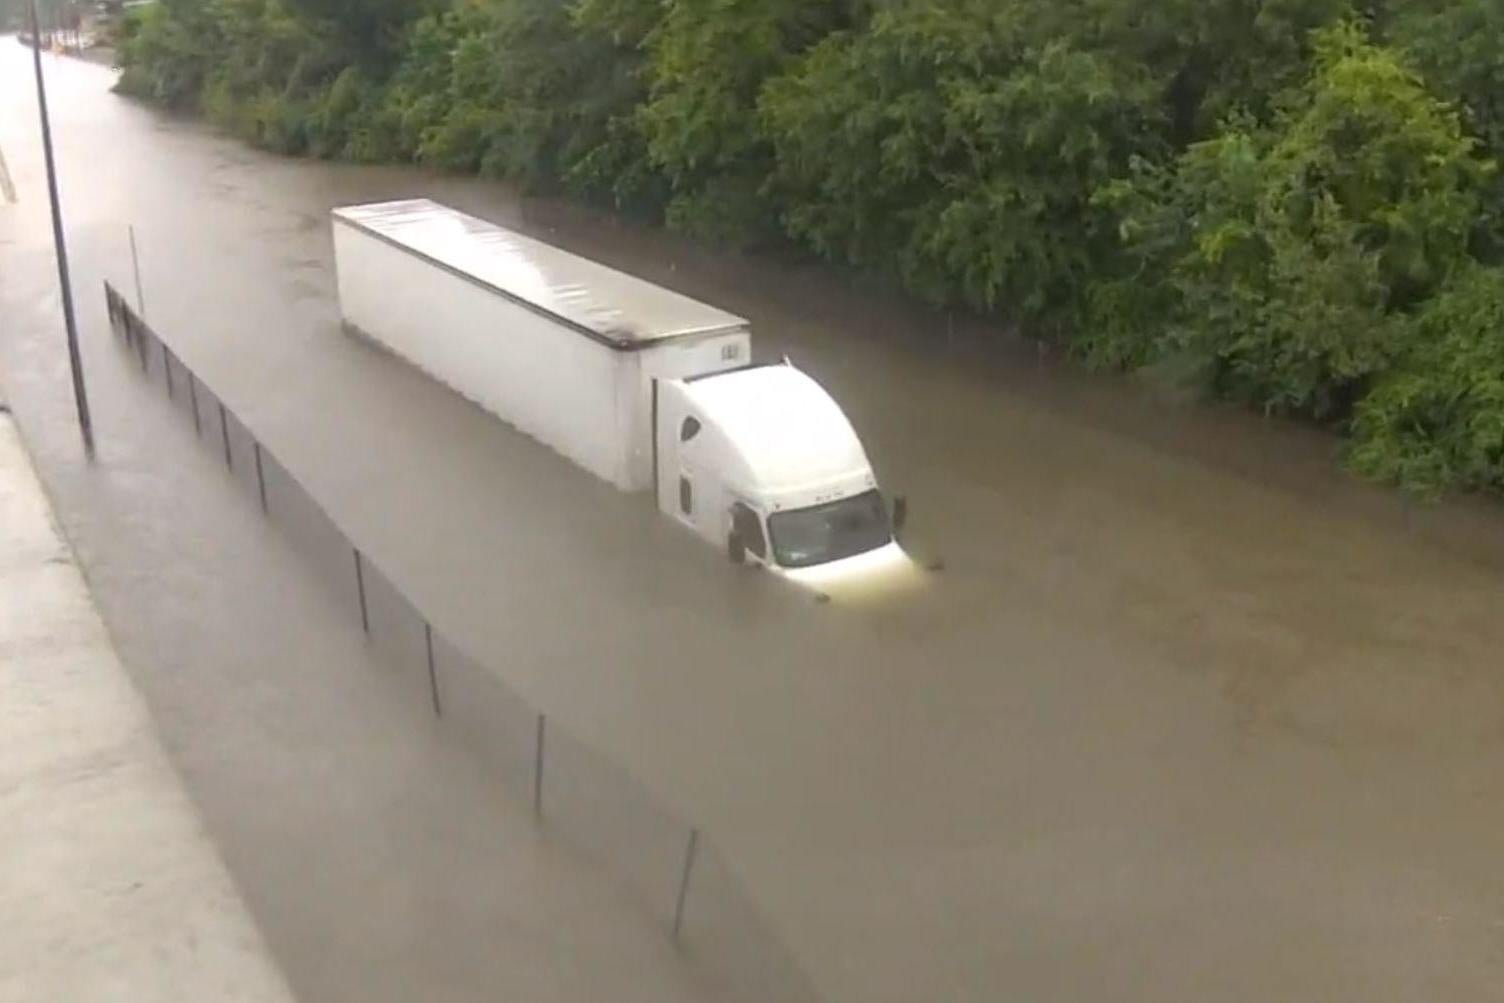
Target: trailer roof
<point>599,302</point>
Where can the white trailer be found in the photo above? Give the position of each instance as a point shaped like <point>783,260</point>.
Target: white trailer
<point>641,386</point>
<point>561,347</point>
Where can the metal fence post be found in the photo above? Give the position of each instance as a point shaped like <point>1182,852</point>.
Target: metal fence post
<point>433,675</point>
<point>260,477</point>
<point>136,267</point>
<point>690,850</point>
<point>224,435</point>
<point>198,429</point>
<point>538,766</point>
<point>360,588</point>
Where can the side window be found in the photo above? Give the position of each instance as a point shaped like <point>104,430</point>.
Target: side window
<point>749,528</point>
<point>686,496</point>
<point>689,429</point>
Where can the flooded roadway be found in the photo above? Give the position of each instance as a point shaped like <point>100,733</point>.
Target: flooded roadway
<point>1189,714</point>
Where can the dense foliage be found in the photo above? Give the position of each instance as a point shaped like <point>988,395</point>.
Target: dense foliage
<point>1435,420</point>
<point>1288,202</point>
<point>1278,260</point>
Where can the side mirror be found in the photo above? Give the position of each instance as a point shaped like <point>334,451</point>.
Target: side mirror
<point>736,550</point>
<point>900,513</point>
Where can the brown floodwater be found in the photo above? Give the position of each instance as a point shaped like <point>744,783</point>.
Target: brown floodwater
<point>1188,714</point>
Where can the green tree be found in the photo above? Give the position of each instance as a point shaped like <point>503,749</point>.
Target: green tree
<point>1212,57</point>
<point>707,63</point>
<point>366,33</point>
<point>956,146</point>
<point>1456,44</point>
<point>520,89</point>
<point>168,50</point>
<point>1282,201</point>
<point>1436,422</point>
<point>1277,261</point>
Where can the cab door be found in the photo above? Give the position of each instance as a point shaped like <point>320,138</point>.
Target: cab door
<point>749,541</point>
<point>679,486</point>
<point>688,506</point>
<point>669,408</point>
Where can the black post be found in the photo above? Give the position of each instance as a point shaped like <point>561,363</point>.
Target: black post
<point>690,849</point>
<point>224,436</point>
<point>198,429</point>
<point>538,766</point>
<point>433,674</point>
<point>80,395</point>
<point>260,477</point>
<point>136,269</point>
<point>360,588</point>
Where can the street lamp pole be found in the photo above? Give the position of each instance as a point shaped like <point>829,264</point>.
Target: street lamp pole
<point>80,395</point>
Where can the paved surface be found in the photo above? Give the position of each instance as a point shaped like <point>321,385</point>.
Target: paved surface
<point>109,885</point>
<point>1191,716</point>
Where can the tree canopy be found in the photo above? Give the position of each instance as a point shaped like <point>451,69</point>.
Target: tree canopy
<point>1292,203</point>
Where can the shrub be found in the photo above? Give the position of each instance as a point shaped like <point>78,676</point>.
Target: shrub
<point>708,61</point>
<point>957,148</point>
<point>1282,254</point>
<point>1271,200</point>
<point>167,49</point>
<point>1436,422</point>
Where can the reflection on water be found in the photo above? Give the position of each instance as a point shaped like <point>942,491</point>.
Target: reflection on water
<point>884,574</point>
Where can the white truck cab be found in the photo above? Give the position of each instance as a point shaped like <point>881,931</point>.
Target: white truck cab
<point>761,460</point>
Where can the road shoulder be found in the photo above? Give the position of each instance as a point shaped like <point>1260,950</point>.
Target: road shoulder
<point>112,887</point>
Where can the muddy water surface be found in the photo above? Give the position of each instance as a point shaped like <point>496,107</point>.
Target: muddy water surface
<point>1188,715</point>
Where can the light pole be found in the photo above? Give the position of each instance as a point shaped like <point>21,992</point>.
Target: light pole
<point>80,395</point>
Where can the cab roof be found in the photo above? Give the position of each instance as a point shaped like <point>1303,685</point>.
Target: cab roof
<point>788,433</point>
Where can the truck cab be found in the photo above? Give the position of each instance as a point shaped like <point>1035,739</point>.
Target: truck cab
<point>763,462</point>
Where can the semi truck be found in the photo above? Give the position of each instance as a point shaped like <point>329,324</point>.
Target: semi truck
<point>641,386</point>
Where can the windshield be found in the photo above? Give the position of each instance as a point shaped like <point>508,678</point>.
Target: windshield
<point>830,532</point>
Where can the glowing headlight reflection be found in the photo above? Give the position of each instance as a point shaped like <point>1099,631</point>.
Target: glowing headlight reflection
<point>877,571</point>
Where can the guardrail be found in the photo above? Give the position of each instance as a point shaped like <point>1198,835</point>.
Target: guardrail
<point>677,874</point>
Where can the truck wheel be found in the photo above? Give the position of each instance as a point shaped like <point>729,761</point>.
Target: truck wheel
<point>735,549</point>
